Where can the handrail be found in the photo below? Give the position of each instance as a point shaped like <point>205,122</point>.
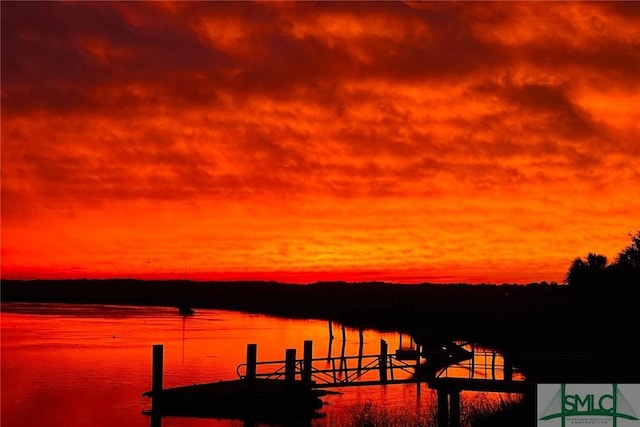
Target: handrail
<point>367,363</point>
<point>483,364</point>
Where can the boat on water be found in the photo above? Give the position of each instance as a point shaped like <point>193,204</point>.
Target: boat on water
<point>185,310</point>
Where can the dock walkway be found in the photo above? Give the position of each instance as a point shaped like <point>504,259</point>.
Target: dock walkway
<point>294,385</point>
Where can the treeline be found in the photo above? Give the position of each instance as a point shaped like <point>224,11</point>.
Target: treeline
<point>380,305</point>
<point>593,279</point>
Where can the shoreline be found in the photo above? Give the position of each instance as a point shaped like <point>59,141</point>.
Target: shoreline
<point>549,337</point>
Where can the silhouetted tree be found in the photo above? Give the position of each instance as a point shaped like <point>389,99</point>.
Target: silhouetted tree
<point>630,256</point>
<point>582,269</point>
<point>586,276</point>
<point>625,272</point>
<point>592,279</point>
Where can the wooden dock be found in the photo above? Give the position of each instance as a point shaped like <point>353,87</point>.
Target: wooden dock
<point>258,400</point>
<point>268,390</point>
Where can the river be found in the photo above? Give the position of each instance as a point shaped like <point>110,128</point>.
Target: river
<point>67,365</point>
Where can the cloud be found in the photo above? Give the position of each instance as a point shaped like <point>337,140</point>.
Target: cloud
<point>472,122</point>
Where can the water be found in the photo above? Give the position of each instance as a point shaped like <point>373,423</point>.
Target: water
<point>68,365</point>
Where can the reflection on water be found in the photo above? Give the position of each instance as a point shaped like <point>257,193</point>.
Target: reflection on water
<point>68,365</point>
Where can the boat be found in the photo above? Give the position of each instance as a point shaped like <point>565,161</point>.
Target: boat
<point>185,310</point>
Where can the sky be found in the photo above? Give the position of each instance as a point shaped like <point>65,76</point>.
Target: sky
<point>306,141</point>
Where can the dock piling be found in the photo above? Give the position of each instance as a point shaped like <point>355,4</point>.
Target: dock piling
<point>473,361</point>
<point>343,360</point>
<point>290,366</point>
<point>508,368</point>
<point>443,408</point>
<point>383,361</point>
<point>360,349</point>
<point>156,374</point>
<point>307,361</point>
<point>252,355</point>
<point>454,408</point>
<point>493,364</point>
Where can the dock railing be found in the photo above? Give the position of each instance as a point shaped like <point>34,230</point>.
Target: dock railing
<point>338,371</point>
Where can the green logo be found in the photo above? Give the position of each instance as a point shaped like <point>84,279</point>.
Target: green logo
<point>587,404</point>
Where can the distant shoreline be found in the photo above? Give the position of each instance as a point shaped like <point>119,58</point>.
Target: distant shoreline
<point>548,336</point>
<point>461,311</point>
<point>332,300</point>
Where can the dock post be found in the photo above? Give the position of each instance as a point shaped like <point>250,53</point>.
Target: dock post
<point>156,420</point>
<point>360,347</point>
<point>252,358</point>
<point>156,375</point>
<point>473,361</point>
<point>383,361</point>
<point>343,360</point>
<point>308,360</point>
<point>493,364</point>
<point>416,369</point>
<point>443,410</point>
<point>454,408</point>
<point>290,366</point>
<point>508,368</point>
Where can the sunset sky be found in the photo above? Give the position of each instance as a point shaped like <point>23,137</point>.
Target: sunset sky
<point>301,141</point>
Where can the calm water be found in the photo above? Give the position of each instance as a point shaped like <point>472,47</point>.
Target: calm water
<point>67,365</point>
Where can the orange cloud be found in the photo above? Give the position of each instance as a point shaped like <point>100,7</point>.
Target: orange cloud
<point>416,141</point>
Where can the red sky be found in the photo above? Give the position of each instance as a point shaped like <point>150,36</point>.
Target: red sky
<point>302,141</point>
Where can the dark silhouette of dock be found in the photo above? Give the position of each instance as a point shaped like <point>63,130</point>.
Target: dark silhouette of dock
<point>291,388</point>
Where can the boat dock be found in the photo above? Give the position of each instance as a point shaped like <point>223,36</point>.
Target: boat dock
<point>293,386</point>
